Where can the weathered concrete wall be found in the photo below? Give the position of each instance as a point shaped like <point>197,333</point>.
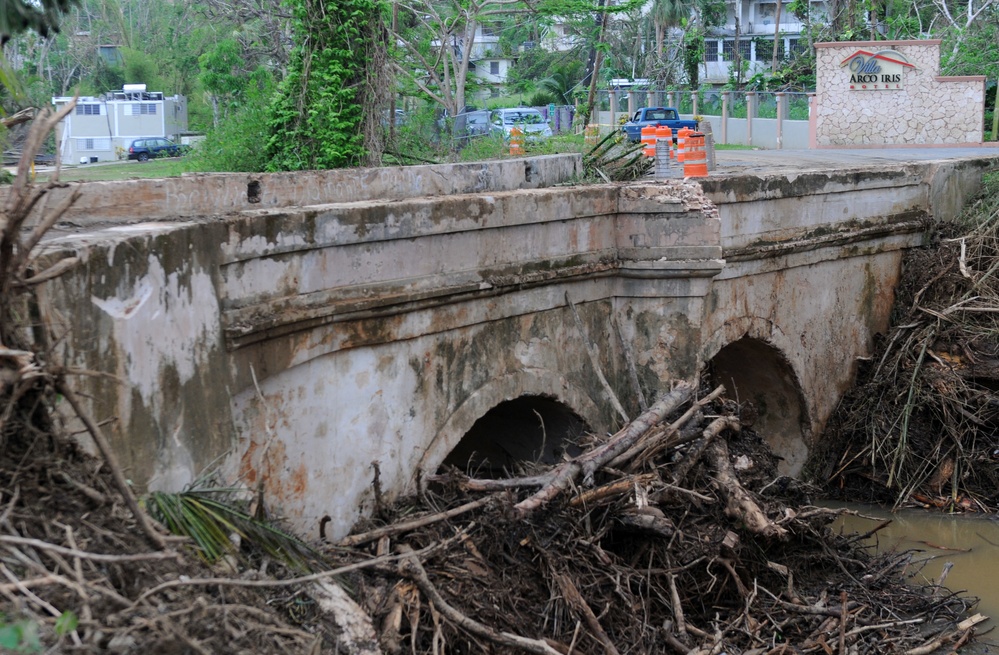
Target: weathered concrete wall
<point>812,262</point>
<point>928,109</point>
<point>211,194</point>
<point>305,343</point>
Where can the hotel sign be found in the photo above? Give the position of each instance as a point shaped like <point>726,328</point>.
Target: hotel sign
<point>870,71</point>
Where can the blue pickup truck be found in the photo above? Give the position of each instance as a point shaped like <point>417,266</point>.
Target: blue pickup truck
<point>655,116</point>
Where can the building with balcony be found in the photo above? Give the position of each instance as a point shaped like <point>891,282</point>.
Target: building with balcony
<point>755,21</point>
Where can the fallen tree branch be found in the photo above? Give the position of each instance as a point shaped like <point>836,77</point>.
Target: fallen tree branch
<point>589,462</point>
<point>963,628</point>
<point>97,557</point>
<point>288,582</point>
<point>645,443</point>
<point>575,600</point>
<point>740,506</point>
<point>154,537</point>
<point>407,526</point>
<point>411,568</point>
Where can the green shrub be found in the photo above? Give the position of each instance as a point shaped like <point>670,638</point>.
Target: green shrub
<point>236,145</point>
<point>541,99</point>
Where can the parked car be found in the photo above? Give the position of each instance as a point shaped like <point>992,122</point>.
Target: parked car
<point>530,121</point>
<point>151,147</point>
<point>471,124</point>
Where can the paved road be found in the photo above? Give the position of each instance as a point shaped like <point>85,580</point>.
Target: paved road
<point>763,161</point>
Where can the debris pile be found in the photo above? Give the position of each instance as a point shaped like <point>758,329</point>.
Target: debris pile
<point>669,537</point>
<point>920,426</point>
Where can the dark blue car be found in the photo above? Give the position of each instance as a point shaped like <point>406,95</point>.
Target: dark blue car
<point>151,147</point>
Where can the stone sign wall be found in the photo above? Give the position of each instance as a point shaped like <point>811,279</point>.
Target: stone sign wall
<point>878,93</point>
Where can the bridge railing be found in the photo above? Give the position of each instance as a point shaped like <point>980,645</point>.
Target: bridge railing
<point>762,119</point>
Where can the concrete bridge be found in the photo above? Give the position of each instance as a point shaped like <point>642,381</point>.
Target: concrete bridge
<point>294,329</point>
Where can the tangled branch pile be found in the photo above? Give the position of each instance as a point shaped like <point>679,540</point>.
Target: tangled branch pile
<point>678,544</point>
<point>920,425</point>
<point>82,567</point>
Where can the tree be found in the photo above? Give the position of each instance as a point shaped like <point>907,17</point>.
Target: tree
<point>223,77</point>
<point>436,39</point>
<point>40,16</point>
<point>327,109</point>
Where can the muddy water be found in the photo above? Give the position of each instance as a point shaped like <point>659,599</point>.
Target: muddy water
<point>970,542</point>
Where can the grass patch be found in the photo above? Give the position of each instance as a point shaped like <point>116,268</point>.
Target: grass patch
<point>123,170</point>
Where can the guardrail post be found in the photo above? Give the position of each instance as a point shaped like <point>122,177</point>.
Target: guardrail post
<point>781,111</point>
<point>750,115</point>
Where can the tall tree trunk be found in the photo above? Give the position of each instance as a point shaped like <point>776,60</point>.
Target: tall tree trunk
<point>736,54</point>
<point>391,117</point>
<point>597,57</point>
<point>773,67</point>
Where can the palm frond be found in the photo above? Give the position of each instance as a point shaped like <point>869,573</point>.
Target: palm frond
<point>211,516</point>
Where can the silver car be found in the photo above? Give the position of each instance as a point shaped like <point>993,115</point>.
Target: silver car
<point>530,121</point>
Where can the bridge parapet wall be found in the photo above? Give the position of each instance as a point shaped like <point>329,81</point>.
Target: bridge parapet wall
<point>195,195</point>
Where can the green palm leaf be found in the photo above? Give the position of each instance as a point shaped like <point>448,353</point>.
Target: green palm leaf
<point>210,517</point>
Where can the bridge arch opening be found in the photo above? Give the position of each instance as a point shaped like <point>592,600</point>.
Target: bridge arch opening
<point>760,378</point>
<point>516,433</point>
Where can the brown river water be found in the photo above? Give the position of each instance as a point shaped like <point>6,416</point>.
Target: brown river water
<point>970,542</point>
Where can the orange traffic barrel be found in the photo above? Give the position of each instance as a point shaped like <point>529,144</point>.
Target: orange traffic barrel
<point>681,138</point>
<point>695,163</point>
<point>516,141</point>
<point>649,140</point>
<point>663,133</point>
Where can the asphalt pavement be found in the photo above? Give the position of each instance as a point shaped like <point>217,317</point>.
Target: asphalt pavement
<point>783,161</point>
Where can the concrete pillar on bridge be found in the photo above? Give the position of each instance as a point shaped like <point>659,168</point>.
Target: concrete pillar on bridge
<point>613,109</point>
<point>671,99</point>
<point>693,102</point>
<point>651,98</point>
<point>632,103</point>
<point>751,104</point>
